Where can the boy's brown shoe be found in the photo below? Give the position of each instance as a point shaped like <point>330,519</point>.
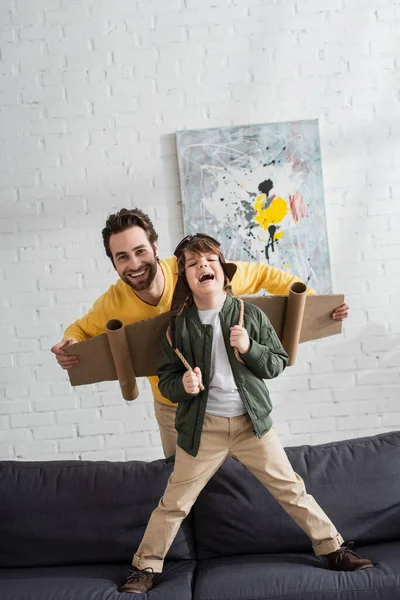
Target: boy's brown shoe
<point>345,559</point>
<point>138,581</point>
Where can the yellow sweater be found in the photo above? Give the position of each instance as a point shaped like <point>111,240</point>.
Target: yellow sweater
<point>120,302</point>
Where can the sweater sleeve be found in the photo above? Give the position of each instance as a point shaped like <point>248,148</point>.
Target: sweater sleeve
<point>251,277</point>
<point>170,372</point>
<point>92,324</point>
<point>266,357</point>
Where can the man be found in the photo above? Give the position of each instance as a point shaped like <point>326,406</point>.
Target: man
<point>145,290</point>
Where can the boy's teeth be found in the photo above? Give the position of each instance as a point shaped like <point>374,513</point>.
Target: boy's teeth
<point>138,274</point>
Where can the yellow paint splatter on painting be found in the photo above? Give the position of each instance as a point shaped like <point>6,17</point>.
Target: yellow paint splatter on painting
<point>275,212</point>
<point>278,235</point>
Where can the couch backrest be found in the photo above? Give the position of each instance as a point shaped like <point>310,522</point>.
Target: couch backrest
<point>72,512</point>
<point>356,482</point>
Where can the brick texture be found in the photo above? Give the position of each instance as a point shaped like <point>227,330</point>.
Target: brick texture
<point>91,94</point>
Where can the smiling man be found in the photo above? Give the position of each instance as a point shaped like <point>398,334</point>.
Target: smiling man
<point>145,288</point>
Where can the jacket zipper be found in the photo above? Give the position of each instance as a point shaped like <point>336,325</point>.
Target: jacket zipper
<point>240,388</point>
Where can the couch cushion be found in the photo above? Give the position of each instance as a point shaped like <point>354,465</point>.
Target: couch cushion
<point>298,577</point>
<point>73,512</point>
<point>91,583</point>
<point>356,482</point>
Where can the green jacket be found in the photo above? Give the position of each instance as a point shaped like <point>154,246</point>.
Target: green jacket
<point>266,359</point>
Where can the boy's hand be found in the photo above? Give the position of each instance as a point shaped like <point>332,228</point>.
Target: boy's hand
<point>240,339</point>
<point>192,381</point>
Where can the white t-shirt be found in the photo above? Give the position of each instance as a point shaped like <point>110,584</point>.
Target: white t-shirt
<point>223,396</point>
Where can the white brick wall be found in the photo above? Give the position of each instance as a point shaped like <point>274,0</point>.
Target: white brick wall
<point>91,94</point>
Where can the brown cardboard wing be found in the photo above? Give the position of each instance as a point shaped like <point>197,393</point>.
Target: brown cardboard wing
<point>139,356</point>
<point>125,353</point>
<point>314,316</point>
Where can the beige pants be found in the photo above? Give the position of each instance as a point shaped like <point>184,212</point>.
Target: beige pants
<point>165,416</point>
<point>264,457</point>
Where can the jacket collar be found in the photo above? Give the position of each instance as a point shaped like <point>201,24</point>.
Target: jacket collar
<point>193,313</point>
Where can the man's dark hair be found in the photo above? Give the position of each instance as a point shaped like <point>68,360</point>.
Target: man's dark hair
<point>124,219</point>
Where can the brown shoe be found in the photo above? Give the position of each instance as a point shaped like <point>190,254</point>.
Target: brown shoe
<point>345,559</point>
<point>138,581</point>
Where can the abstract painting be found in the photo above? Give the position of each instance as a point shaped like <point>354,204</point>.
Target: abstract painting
<point>258,189</point>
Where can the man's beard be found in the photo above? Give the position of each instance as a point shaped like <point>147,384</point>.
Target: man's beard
<point>151,272</point>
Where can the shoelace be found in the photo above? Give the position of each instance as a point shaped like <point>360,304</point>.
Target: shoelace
<point>137,575</point>
<point>344,551</point>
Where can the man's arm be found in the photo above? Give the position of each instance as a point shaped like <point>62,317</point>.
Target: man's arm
<point>252,277</point>
<point>92,324</point>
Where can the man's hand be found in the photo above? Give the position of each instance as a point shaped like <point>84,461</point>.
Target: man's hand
<point>66,362</point>
<point>191,381</point>
<point>240,339</point>
<point>341,312</point>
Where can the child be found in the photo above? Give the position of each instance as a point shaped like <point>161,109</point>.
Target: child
<point>223,409</point>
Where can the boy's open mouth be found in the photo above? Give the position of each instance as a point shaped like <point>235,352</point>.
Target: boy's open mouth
<point>206,277</point>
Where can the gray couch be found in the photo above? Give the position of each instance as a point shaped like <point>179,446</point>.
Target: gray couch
<point>68,529</point>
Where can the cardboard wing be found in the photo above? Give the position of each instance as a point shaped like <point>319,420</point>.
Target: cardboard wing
<point>127,352</point>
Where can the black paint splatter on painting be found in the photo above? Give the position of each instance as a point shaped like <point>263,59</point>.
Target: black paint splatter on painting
<point>249,227</point>
<point>271,230</point>
<point>309,274</point>
<point>277,160</point>
<point>266,186</point>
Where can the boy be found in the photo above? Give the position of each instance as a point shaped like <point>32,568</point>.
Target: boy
<point>223,409</point>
